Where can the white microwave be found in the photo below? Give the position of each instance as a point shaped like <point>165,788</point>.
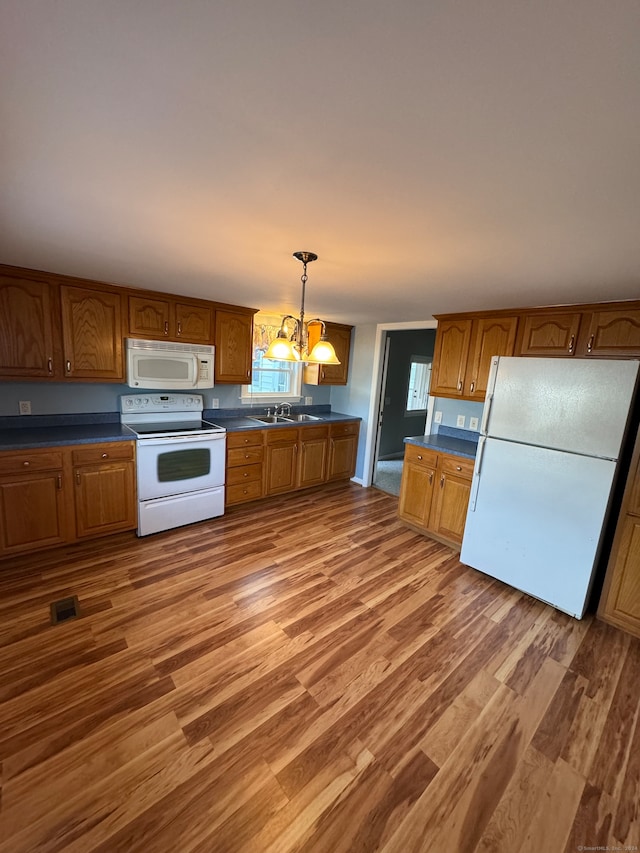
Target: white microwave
<point>168,365</point>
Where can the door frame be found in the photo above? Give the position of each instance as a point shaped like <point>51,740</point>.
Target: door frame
<point>376,389</point>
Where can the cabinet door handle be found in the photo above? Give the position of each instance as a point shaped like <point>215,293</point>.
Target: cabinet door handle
<point>473,386</point>
<point>78,478</point>
<point>571,343</point>
<point>430,478</point>
<point>166,327</point>
<point>442,481</point>
<point>590,344</point>
<point>179,328</point>
<point>248,373</point>
<point>50,364</point>
<point>59,482</point>
<point>68,366</point>
<point>459,384</point>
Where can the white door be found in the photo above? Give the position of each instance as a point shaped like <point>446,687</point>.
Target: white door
<point>535,520</point>
<point>577,405</point>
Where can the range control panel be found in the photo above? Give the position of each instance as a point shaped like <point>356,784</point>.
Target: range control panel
<point>136,403</point>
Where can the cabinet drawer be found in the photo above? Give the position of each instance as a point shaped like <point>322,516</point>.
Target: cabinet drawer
<point>243,456</point>
<point>244,438</point>
<point>420,455</point>
<point>284,435</point>
<point>244,492</point>
<point>12,463</point>
<point>116,451</point>
<point>456,465</point>
<point>314,433</point>
<point>244,474</point>
<point>352,428</point>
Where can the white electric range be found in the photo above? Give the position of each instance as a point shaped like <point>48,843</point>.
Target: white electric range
<point>180,460</point>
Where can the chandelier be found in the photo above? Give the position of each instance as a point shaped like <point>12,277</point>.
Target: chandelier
<point>295,346</point>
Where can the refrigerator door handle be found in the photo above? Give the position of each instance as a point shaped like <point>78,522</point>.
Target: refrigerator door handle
<point>476,474</point>
<point>485,414</point>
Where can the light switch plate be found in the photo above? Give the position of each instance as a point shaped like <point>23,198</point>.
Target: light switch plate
<point>215,403</point>
<point>460,421</point>
<point>473,423</point>
<point>437,418</point>
<point>24,407</point>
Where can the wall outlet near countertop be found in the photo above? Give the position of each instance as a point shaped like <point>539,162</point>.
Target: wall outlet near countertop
<point>215,403</point>
<point>308,401</point>
<point>437,418</point>
<point>473,423</point>
<point>24,407</point>
<point>460,421</point>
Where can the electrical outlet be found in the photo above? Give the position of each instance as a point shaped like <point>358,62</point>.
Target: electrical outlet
<point>25,407</point>
<point>473,423</point>
<point>460,421</point>
<point>308,401</point>
<point>215,403</point>
<point>437,418</point>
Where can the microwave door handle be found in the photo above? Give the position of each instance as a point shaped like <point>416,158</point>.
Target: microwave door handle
<point>196,374</point>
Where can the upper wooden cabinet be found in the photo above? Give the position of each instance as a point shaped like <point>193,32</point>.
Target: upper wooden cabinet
<point>58,327</point>
<point>549,334</point>
<point>330,374</point>
<point>92,334</point>
<point>465,343</point>
<point>28,309</point>
<point>464,348</point>
<point>166,318</point>
<point>612,333</point>
<point>234,342</point>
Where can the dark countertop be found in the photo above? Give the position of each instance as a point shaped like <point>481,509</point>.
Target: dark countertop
<point>50,436</point>
<point>56,430</point>
<point>445,444</point>
<point>237,423</point>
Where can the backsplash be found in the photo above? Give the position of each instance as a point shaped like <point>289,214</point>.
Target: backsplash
<point>451,409</point>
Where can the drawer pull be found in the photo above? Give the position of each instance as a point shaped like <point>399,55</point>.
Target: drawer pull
<point>420,457</point>
<point>458,468</point>
<point>26,464</point>
<point>246,456</point>
<point>105,455</point>
<point>245,474</point>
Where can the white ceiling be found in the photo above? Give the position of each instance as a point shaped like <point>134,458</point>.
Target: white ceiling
<point>437,156</point>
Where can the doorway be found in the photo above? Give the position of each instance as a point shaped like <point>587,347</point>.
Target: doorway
<point>402,405</point>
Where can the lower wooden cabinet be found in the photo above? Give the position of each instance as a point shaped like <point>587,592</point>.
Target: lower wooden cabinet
<point>244,466</point>
<point>620,600</point>
<point>281,459</point>
<point>35,493</point>
<point>343,450</point>
<point>434,493</point>
<point>57,495</point>
<point>105,488</point>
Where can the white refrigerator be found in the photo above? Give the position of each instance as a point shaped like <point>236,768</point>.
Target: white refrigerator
<point>551,436</point>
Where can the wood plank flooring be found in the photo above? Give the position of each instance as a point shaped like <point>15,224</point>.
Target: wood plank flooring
<point>306,674</point>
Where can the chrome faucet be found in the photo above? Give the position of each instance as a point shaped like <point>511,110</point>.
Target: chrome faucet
<point>280,409</point>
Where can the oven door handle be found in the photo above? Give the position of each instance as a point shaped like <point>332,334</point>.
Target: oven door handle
<point>182,439</point>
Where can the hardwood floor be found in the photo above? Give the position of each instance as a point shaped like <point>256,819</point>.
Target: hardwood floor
<point>306,674</point>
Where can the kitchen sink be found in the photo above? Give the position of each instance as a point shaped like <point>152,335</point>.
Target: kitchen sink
<point>301,418</point>
<point>270,419</point>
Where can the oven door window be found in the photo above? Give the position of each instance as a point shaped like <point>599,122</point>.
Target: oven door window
<point>184,464</point>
